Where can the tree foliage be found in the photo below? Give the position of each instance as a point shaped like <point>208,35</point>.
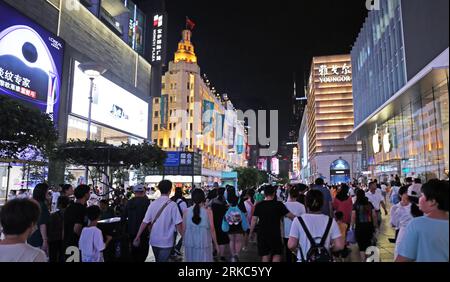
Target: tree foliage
<point>263,177</point>
<point>100,154</point>
<point>247,177</point>
<point>25,133</point>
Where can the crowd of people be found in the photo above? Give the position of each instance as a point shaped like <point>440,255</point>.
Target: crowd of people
<point>288,223</point>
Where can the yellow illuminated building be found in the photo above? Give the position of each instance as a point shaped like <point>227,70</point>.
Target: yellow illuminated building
<point>177,116</point>
<point>330,117</point>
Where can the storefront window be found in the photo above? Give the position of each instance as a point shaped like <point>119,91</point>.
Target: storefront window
<point>418,138</point>
<point>441,105</point>
<point>77,129</point>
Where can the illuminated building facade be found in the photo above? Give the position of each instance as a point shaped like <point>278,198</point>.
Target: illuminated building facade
<point>400,72</point>
<point>191,116</point>
<point>109,33</point>
<point>330,119</point>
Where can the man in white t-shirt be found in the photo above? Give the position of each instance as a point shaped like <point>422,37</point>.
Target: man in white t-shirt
<point>377,200</point>
<point>316,223</point>
<point>165,218</point>
<point>18,219</point>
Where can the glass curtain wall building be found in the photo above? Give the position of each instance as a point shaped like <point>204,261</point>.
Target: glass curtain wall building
<point>378,60</point>
<point>400,89</point>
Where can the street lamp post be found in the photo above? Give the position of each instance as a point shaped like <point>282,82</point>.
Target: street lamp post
<point>92,70</point>
<point>88,137</point>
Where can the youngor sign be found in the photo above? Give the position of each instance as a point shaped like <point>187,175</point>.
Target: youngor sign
<point>111,105</point>
<point>335,73</point>
<point>31,61</point>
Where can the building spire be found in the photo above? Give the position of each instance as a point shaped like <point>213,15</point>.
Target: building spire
<point>185,52</point>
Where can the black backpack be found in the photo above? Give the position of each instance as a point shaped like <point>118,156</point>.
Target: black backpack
<point>317,252</point>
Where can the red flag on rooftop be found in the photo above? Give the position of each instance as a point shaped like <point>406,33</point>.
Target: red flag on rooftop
<point>189,24</point>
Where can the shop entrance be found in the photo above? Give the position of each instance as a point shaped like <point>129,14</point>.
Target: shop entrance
<point>340,172</point>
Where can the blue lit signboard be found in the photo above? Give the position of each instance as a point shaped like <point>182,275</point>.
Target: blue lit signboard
<point>173,159</point>
<point>30,61</point>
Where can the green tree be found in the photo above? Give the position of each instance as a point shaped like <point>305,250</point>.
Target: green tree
<point>262,177</point>
<point>25,133</point>
<point>119,159</point>
<point>247,177</point>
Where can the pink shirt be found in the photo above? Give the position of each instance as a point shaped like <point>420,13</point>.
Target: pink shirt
<point>345,207</point>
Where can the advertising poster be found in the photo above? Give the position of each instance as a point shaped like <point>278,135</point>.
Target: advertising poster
<point>220,120</point>
<point>112,105</point>
<point>207,116</point>
<point>31,61</point>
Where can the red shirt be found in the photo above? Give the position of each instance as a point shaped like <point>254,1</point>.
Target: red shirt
<point>345,207</point>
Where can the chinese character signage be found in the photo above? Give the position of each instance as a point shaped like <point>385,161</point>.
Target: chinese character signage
<point>30,61</point>
<point>295,160</point>
<point>186,159</point>
<point>159,38</point>
<point>335,73</point>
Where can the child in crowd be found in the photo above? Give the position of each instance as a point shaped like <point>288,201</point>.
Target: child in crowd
<point>91,240</point>
<point>343,227</point>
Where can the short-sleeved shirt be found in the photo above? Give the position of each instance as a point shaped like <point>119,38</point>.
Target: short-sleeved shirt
<point>375,199</point>
<point>162,234</point>
<point>326,198</point>
<point>270,214</point>
<point>425,240</point>
<point>316,224</point>
<point>345,207</point>
<point>21,253</point>
<point>35,239</point>
<point>91,244</point>
<point>363,213</point>
<point>74,214</point>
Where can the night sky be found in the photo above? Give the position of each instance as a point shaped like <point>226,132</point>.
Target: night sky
<point>250,49</point>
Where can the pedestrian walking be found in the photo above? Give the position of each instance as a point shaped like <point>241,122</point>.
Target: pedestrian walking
<point>268,215</point>
<point>182,205</point>
<point>249,203</point>
<point>132,216</point>
<point>377,201</point>
<point>200,236</point>
<point>75,217</point>
<point>91,242</point>
<point>426,238</point>
<point>327,208</point>
<point>297,209</point>
<point>219,208</point>
<point>401,216</point>
<point>164,218</point>
<point>56,231</point>
<point>39,238</point>
<point>364,222</point>
<point>314,235</point>
<point>235,223</point>
<point>343,203</point>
